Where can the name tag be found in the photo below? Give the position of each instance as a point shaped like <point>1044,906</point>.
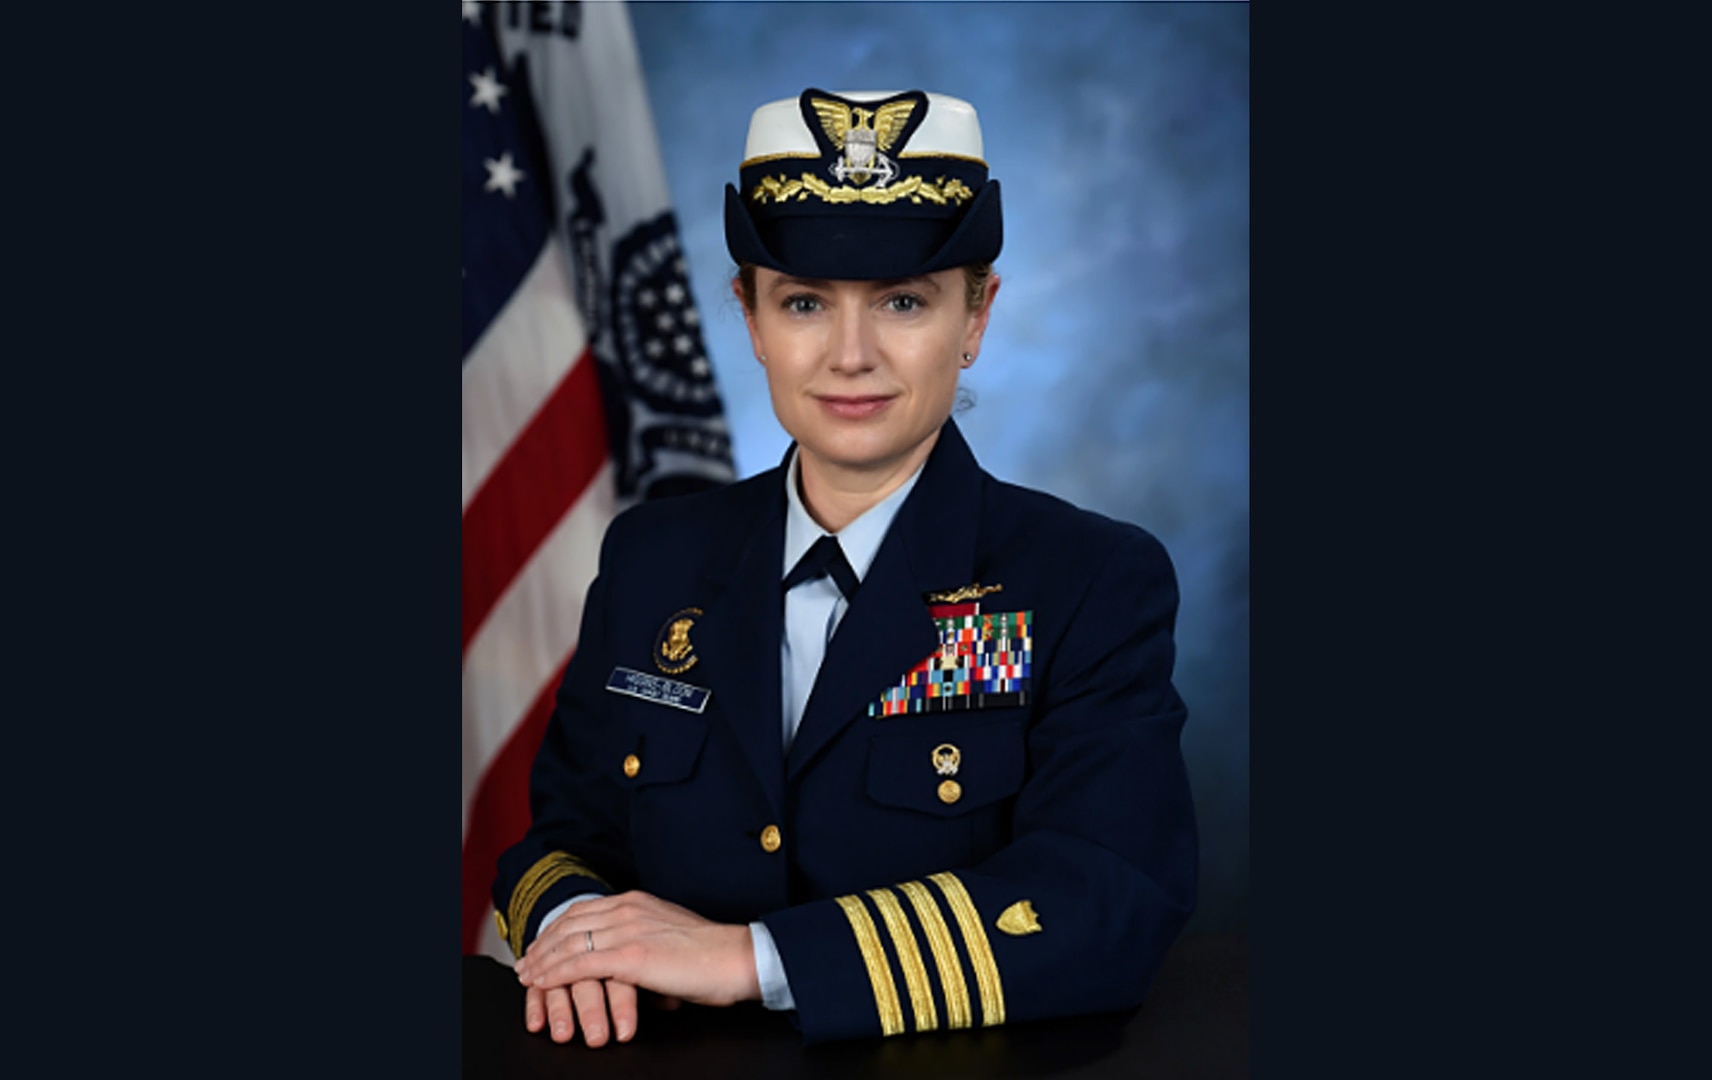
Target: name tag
<point>640,684</point>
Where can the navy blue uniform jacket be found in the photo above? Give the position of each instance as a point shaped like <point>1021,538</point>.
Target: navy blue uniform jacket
<point>1051,886</point>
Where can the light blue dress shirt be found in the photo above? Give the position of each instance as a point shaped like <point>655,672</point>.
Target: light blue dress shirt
<point>812,612</point>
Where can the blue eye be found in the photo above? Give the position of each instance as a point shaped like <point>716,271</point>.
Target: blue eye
<point>905,302</point>
<point>802,304</point>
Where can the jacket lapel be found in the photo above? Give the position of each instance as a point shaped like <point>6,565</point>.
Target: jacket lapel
<point>887,629</point>
<point>739,637</point>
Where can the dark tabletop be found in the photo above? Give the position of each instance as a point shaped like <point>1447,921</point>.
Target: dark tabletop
<point>1193,1024</point>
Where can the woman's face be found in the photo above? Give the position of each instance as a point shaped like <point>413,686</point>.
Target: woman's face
<point>863,373</point>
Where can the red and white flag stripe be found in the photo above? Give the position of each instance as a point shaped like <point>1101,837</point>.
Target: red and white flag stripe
<point>538,494</point>
<point>539,482</point>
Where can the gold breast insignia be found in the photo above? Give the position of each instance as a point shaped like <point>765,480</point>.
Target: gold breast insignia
<point>1019,919</point>
<point>674,652</point>
<point>963,595</point>
<point>678,640</point>
<point>946,760</point>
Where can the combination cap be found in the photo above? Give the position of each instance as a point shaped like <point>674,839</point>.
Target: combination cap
<point>863,186</point>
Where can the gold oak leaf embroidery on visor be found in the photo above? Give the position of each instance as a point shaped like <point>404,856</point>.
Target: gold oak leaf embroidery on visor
<point>781,189</point>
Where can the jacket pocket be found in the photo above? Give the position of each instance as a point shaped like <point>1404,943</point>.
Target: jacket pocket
<point>991,764</point>
<point>663,746</point>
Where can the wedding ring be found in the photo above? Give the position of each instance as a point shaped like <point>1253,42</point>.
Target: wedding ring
<point>588,936</point>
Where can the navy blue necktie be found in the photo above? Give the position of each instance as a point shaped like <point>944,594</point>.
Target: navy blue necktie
<point>825,557</point>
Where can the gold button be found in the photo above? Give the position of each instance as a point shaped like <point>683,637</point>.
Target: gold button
<point>632,765</point>
<point>950,791</point>
<point>770,839</point>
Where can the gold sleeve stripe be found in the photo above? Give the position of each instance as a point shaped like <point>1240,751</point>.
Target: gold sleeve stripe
<point>548,871</point>
<point>980,952</point>
<point>551,870</point>
<point>530,888</point>
<point>944,953</point>
<point>879,970</point>
<point>524,895</point>
<point>909,958</point>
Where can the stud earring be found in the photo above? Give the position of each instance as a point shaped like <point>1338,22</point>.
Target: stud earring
<point>968,359</point>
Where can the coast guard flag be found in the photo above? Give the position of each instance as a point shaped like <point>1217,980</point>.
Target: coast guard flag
<point>586,385</point>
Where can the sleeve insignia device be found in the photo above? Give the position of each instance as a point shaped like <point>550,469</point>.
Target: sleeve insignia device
<point>1019,919</point>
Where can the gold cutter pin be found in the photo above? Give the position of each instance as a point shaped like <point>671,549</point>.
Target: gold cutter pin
<point>946,761</point>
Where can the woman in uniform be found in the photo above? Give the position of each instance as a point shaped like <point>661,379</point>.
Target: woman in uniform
<point>872,737</point>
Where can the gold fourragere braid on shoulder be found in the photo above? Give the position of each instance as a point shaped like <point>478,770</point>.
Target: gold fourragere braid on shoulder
<point>548,871</point>
<point>980,950</point>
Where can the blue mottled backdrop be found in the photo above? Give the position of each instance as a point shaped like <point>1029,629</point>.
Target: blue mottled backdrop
<point>1115,372</point>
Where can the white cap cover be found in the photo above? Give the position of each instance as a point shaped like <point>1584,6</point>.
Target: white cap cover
<point>950,128</point>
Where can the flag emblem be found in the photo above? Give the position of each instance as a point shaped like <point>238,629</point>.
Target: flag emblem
<point>586,385</point>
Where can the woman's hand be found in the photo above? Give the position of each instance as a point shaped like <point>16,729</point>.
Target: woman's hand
<point>640,941</point>
<point>553,1008</point>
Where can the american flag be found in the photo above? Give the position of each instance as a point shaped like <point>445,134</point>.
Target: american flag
<point>586,383</point>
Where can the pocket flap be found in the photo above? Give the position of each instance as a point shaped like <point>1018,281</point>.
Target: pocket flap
<point>666,744</point>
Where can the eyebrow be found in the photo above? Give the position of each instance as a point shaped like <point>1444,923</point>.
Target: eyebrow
<point>789,281</point>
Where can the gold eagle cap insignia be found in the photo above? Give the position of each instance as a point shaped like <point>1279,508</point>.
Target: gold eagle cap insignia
<point>1019,919</point>
<point>837,118</point>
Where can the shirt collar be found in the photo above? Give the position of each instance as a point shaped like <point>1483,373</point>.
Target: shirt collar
<point>860,539</point>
